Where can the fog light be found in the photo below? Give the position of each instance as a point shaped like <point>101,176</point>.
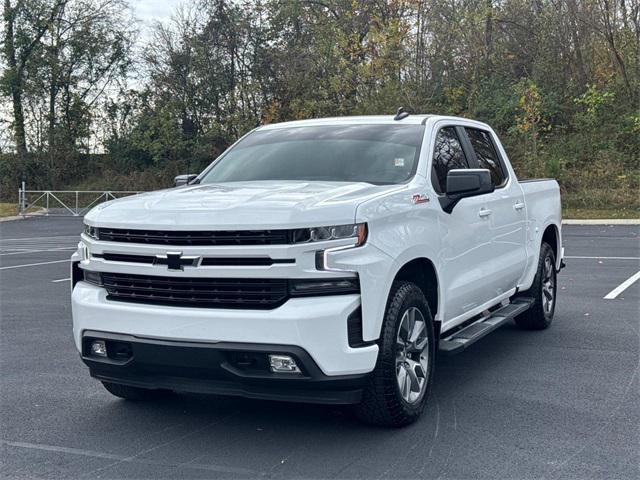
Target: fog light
<point>99,348</point>
<point>283,363</point>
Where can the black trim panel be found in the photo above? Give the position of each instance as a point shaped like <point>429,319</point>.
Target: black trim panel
<point>188,237</point>
<point>213,368</point>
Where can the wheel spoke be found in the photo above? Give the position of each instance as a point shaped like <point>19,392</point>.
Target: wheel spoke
<point>416,367</point>
<point>420,371</point>
<point>413,379</point>
<point>418,328</point>
<point>411,321</point>
<point>548,269</point>
<point>407,387</point>
<point>403,331</point>
<point>402,377</point>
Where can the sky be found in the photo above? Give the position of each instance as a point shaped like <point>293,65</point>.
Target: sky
<point>148,11</point>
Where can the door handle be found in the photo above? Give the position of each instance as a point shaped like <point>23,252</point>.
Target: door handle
<point>484,212</point>
<point>518,206</point>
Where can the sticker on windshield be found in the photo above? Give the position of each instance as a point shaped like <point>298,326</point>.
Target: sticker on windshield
<point>398,162</point>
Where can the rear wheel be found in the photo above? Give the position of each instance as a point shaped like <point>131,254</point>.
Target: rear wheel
<point>400,384</point>
<point>543,291</point>
<point>133,393</point>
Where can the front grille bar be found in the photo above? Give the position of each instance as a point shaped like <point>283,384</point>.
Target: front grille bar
<point>197,238</point>
<point>206,261</point>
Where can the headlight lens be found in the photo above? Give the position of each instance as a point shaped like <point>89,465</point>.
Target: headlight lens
<point>322,234</point>
<point>331,286</point>
<point>91,232</point>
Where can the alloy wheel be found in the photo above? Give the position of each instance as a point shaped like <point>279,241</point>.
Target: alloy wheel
<point>548,286</point>
<point>412,355</point>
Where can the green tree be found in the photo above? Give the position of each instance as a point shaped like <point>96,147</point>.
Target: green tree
<point>25,24</point>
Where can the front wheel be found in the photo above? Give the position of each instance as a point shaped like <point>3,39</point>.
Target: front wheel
<point>543,291</point>
<point>401,381</point>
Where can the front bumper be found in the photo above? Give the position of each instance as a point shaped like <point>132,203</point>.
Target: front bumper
<point>222,368</point>
<point>317,325</point>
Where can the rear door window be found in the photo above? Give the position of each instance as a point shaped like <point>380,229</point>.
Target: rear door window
<point>486,154</point>
<point>447,155</point>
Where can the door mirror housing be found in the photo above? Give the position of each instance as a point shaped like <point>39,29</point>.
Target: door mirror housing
<point>181,180</point>
<point>465,183</point>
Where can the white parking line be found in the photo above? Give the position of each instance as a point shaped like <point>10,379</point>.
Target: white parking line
<point>132,459</point>
<point>622,287</point>
<point>61,280</point>
<point>40,238</point>
<point>602,258</point>
<point>34,264</point>
<point>38,251</point>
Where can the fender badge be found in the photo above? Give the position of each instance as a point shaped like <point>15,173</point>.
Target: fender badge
<point>418,198</point>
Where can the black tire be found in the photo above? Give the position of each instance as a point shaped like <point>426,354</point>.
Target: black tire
<point>540,315</point>
<point>382,400</point>
<point>133,393</point>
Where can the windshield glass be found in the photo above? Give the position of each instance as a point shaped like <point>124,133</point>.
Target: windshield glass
<point>378,154</point>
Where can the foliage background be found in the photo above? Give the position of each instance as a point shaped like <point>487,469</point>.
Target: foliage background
<point>87,103</point>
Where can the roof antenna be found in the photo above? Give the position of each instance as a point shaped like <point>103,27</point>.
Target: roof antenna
<point>401,114</point>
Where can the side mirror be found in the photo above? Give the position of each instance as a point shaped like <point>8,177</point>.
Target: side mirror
<point>465,183</point>
<point>183,179</point>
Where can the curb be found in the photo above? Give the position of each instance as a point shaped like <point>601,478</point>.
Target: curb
<point>619,221</point>
<point>8,219</point>
<point>38,213</point>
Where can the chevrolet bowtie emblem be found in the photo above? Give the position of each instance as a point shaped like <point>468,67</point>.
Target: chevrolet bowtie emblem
<point>175,261</point>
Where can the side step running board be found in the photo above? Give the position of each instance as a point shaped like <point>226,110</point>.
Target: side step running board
<point>458,341</point>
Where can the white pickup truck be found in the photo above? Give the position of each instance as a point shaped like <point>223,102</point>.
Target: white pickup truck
<point>318,261</point>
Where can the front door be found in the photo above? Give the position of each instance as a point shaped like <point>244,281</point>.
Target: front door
<point>466,237</point>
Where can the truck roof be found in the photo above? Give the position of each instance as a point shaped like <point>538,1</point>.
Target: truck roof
<point>413,119</point>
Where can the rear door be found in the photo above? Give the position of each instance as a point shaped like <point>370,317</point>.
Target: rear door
<point>506,213</point>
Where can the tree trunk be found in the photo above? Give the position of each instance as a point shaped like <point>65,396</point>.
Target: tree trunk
<point>576,40</point>
<point>14,75</point>
<point>488,36</point>
<point>611,40</point>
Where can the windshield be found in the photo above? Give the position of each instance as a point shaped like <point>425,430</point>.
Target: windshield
<point>378,154</point>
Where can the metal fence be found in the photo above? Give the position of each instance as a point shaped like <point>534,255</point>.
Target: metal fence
<point>64,203</point>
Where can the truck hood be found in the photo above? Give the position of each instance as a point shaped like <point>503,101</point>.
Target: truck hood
<point>239,205</point>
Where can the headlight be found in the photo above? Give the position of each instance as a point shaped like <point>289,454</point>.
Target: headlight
<point>322,234</point>
<point>329,286</point>
<point>90,231</point>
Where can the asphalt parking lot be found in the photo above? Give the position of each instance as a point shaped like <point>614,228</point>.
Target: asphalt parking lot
<point>560,403</point>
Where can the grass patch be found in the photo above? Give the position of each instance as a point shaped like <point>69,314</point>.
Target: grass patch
<point>590,213</point>
<point>8,209</point>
